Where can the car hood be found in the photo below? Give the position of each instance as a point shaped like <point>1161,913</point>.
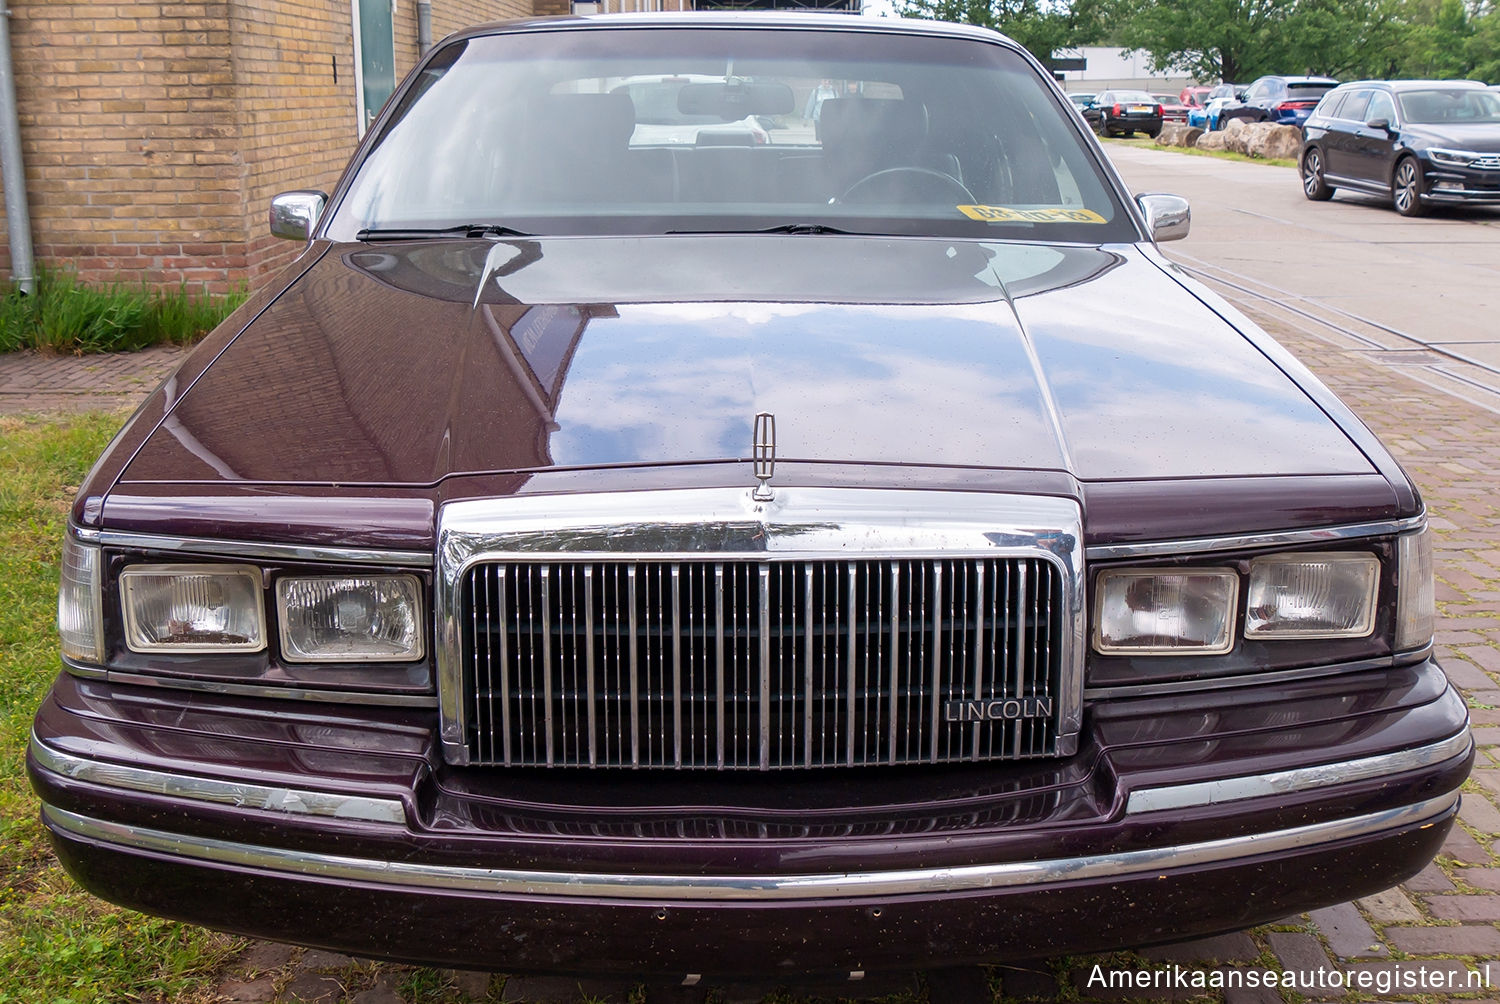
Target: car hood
<point>1476,138</point>
<point>405,364</point>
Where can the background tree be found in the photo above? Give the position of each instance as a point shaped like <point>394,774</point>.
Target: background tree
<point>1042,26</point>
<point>1239,40</point>
<point>1482,51</point>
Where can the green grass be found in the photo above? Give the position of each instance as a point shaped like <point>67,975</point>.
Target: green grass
<point>57,943</point>
<point>66,315</point>
<point>1195,152</point>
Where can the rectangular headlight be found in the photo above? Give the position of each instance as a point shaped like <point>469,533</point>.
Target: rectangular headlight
<point>364,618</point>
<point>79,604</point>
<point>193,608</point>
<point>1312,595</point>
<point>1187,611</point>
<point>1415,609</point>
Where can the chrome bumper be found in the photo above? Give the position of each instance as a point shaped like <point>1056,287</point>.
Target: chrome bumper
<point>720,888</point>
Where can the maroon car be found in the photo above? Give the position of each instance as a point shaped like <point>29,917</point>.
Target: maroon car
<point>693,560</point>
<point>1172,110</point>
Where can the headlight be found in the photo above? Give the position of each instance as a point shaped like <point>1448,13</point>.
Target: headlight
<point>193,608</point>
<point>1414,597</point>
<point>78,603</point>
<point>1452,158</point>
<point>1166,611</point>
<point>1317,595</point>
<point>366,618</point>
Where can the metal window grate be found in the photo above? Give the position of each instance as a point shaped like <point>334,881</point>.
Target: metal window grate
<point>761,664</point>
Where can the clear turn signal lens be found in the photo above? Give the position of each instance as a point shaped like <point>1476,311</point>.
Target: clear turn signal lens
<point>1166,612</point>
<point>193,608</point>
<point>366,618</point>
<point>1312,595</point>
<point>1415,609</point>
<point>78,604</point>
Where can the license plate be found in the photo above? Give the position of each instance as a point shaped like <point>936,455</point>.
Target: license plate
<point>1139,110</point>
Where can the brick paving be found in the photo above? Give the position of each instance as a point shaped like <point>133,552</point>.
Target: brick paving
<point>1447,918</point>
<point>39,382</point>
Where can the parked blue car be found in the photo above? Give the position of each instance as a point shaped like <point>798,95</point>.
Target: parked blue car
<point>1283,100</point>
<point>1209,116</point>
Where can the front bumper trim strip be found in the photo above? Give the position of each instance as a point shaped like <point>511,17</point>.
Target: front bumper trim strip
<point>1183,796</point>
<point>758,888</point>
<point>240,794</point>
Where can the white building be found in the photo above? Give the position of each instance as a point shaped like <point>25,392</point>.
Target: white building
<point>1112,67</point>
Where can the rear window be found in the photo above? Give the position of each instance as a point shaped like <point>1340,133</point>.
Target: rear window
<point>640,131</point>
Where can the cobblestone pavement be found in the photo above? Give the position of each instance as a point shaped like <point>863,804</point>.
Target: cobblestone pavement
<point>1446,919</point>
<point>42,382</point>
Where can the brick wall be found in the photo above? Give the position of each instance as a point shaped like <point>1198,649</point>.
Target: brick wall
<point>155,134</point>
<point>294,84</point>
<point>127,111</point>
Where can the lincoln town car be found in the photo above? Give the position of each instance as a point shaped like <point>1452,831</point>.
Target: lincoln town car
<point>855,548</point>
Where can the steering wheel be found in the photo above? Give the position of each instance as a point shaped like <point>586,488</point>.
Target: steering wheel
<point>944,180</point>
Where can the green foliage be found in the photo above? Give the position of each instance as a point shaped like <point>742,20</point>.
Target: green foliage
<point>1239,40</point>
<point>57,943</point>
<point>1042,26</point>
<point>65,315</point>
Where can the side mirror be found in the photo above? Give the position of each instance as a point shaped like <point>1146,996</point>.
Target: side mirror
<point>1168,217</point>
<point>1383,124</point>
<point>295,214</point>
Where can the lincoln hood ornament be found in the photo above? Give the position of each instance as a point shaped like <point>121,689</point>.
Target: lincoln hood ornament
<point>763,448</point>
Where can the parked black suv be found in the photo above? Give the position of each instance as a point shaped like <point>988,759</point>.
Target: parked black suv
<point>1418,142</point>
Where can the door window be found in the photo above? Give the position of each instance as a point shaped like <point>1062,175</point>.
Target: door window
<point>1381,107</point>
<point>1354,106</point>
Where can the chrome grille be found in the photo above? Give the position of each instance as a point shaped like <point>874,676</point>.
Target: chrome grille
<point>760,664</point>
<point>1489,163</point>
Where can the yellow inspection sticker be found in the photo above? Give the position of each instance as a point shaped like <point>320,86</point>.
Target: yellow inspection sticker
<point>1050,214</point>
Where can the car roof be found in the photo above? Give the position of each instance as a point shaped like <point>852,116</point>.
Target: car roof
<point>1414,85</point>
<point>741,19</point>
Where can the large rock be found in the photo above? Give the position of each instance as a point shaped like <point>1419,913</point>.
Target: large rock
<point>1178,134</point>
<point>1212,141</point>
<point>1237,135</point>
<point>1274,142</point>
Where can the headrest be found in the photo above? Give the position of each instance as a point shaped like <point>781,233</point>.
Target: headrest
<point>890,122</point>
<point>607,120</point>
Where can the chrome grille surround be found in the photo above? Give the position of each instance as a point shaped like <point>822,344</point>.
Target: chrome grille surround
<point>689,538</point>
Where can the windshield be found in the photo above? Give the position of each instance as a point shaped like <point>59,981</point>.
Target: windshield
<point>1450,106</point>
<point>642,131</point>
<point>1138,97</point>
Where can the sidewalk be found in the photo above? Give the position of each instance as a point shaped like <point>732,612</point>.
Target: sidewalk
<point>34,382</point>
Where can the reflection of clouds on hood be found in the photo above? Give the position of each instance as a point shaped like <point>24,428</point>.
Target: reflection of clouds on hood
<point>910,385</point>
<point>1151,383</point>
<point>1188,434</point>
<point>731,316</point>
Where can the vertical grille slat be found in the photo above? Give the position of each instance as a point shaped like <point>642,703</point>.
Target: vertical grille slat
<point>744,664</point>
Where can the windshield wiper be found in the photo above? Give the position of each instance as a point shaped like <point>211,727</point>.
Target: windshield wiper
<point>784,228</point>
<point>465,230</point>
